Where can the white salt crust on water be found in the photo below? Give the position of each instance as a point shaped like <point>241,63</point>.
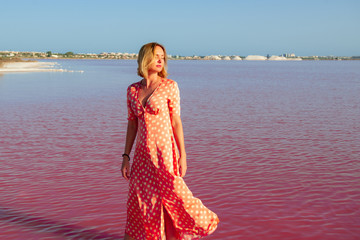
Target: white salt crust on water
<point>33,67</point>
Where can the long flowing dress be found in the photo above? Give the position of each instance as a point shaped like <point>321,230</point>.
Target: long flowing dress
<point>155,184</point>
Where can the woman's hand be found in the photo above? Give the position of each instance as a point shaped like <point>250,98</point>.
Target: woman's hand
<point>182,166</point>
<point>125,168</point>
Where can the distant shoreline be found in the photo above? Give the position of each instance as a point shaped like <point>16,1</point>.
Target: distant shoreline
<point>289,59</point>
<point>33,65</point>
<point>133,56</point>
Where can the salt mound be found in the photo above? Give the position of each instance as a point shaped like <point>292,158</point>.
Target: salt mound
<point>255,57</point>
<point>277,58</point>
<point>213,57</point>
<point>295,59</point>
<point>236,58</point>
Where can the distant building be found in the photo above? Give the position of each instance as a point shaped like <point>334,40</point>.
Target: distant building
<point>289,55</point>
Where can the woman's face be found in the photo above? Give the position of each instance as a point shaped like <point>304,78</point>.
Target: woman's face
<point>159,60</point>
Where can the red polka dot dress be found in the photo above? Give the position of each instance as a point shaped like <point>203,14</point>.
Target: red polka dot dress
<point>155,183</point>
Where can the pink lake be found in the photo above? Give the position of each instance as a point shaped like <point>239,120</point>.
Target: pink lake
<point>273,148</point>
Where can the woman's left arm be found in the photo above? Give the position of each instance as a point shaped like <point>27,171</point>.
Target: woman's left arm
<point>179,138</point>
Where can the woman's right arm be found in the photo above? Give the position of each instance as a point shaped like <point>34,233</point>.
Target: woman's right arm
<point>130,138</point>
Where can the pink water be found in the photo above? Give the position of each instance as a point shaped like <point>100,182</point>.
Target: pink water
<point>273,148</point>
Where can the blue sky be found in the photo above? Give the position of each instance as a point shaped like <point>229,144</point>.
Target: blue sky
<point>203,27</point>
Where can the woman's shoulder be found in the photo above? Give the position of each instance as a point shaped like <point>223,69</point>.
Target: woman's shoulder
<point>169,82</point>
<point>133,86</point>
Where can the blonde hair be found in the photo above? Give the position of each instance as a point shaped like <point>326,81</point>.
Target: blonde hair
<point>145,58</point>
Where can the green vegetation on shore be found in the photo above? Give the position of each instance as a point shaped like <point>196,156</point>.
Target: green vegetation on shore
<point>12,59</point>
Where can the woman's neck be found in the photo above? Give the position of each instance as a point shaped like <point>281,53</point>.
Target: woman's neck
<point>152,79</point>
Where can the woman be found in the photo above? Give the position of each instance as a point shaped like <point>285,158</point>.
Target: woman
<point>160,205</point>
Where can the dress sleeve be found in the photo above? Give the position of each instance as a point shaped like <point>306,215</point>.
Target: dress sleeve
<point>129,98</point>
<point>174,100</point>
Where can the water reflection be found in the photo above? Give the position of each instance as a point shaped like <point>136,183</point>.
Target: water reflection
<point>272,147</point>
<point>57,228</point>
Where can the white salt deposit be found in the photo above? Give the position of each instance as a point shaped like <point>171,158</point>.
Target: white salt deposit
<point>237,58</point>
<point>277,58</point>
<point>255,58</point>
<point>32,67</point>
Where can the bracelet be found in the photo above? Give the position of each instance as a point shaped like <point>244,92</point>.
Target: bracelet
<point>126,156</point>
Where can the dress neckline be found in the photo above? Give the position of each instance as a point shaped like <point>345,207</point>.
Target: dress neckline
<point>150,96</point>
